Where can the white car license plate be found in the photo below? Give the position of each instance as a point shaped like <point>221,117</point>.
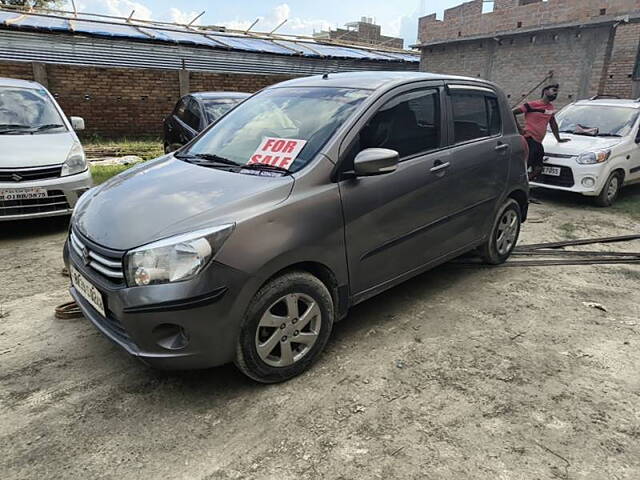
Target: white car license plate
<point>22,193</point>
<point>553,171</point>
<point>88,291</point>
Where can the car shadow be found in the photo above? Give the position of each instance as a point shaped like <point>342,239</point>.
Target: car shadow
<point>22,229</point>
<point>380,312</point>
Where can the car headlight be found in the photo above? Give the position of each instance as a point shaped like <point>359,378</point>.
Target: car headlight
<point>76,161</point>
<point>590,158</point>
<point>174,259</point>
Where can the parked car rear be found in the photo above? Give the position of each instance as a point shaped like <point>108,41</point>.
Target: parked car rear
<point>43,169</point>
<point>194,112</point>
<point>310,197</point>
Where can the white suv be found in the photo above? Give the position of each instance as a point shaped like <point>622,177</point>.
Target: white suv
<point>603,154</point>
<point>43,169</point>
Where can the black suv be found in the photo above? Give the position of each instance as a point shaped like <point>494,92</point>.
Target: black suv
<point>194,112</point>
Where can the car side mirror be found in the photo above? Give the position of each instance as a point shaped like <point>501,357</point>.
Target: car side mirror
<point>77,123</point>
<point>375,161</point>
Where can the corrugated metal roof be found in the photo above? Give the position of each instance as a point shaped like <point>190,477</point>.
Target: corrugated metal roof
<point>82,50</point>
<point>182,35</point>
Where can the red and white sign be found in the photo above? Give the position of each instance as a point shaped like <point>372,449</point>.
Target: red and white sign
<point>279,152</point>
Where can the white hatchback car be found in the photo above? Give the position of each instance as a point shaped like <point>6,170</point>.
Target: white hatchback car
<point>603,154</point>
<point>43,169</point>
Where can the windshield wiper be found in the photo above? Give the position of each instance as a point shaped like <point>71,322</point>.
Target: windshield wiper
<point>608,135</point>
<point>12,127</point>
<point>207,160</point>
<point>48,126</point>
<point>264,166</point>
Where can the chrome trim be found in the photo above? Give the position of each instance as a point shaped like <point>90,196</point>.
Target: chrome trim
<point>103,265</point>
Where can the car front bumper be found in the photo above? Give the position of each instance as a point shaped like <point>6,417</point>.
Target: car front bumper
<point>583,179</point>
<point>179,326</point>
<point>62,195</point>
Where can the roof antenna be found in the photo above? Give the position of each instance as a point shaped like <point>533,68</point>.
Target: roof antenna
<point>325,76</point>
<point>131,16</point>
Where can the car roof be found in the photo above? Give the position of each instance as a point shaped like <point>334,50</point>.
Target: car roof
<point>610,102</point>
<point>14,82</point>
<point>370,80</point>
<point>212,95</point>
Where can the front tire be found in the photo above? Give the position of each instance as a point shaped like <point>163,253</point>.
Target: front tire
<point>610,190</point>
<point>504,234</point>
<point>286,328</point>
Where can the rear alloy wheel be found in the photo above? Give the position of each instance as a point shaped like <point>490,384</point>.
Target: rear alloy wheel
<point>286,328</point>
<point>504,234</point>
<point>610,190</point>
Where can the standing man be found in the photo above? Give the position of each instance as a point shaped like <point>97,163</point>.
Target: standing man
<point>537,116</point>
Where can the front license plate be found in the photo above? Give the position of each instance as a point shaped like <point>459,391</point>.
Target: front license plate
<point>553,171</point>
<point>88,291</point>
<point>22,193</point>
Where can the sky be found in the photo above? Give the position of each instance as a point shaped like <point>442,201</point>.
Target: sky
<point>397,17</point>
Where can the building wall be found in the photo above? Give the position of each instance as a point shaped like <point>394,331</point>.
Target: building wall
<point>121,101</point>
<point>517,64</point>
<point>467,19</point>
<point>593,59</point>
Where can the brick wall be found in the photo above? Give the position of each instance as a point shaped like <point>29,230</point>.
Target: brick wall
<point>120,101</point>
<point>467,20</point>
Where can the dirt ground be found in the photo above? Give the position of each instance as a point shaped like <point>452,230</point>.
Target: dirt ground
<point>461,373</point>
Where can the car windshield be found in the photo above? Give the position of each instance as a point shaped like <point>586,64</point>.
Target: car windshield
<point>603,121</point>
<point>218,107</point>
<point>303,118</point>
<point>28,110</point>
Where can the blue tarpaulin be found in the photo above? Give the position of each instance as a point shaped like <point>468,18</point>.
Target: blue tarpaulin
<point>205,38</point>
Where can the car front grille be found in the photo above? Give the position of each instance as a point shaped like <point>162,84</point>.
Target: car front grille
<point>55,201</point>
<point>564,180</point>
<point>29,174</point>
<point>108,266</point>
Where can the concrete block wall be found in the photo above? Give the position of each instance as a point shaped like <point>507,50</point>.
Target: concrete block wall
<point>467,19</point>
<point>518,63</point>
<point>618,79</point>
<point>121,101</point>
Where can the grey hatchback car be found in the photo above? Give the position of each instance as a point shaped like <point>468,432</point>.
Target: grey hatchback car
<point>313,195</point>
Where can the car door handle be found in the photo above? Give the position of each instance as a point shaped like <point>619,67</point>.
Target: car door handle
<point>439,166</point>
<point>501,147</point>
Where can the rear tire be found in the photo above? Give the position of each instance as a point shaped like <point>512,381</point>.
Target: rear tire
<point>610,190</point>
<point>286,328</point>
<point>504,234</point>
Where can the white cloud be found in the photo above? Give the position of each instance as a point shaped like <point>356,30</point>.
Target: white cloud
<point>295,25</point>
<point>117,8</point>
<point>179,16</point>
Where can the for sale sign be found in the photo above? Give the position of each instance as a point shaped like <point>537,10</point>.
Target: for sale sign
<point>279,152</point>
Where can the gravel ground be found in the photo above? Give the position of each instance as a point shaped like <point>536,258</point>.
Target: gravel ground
<point>461,373</point>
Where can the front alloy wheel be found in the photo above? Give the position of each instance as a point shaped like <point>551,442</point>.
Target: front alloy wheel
<point>288,330</point>
<point>286,327</point>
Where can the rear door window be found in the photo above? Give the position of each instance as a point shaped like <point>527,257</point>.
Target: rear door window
<point>475,115</point>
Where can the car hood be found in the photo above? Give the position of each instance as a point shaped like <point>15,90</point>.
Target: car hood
<point>578,144</point>
<point>167,197</point>
<point>37,150</point>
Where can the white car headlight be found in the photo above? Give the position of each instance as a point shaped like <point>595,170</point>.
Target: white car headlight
<point>590,158</point>
<point>174,259</point>
<point>76,161</point>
